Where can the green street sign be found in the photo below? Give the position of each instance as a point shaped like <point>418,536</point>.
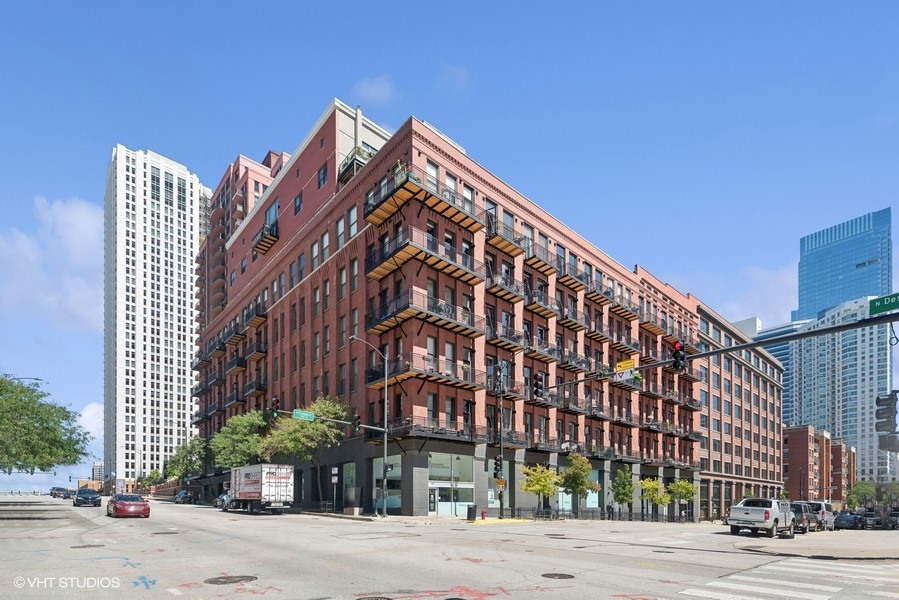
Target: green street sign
<point>884,304</point>
<point>305,415</point>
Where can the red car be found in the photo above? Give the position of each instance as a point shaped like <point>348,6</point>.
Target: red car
<point>127,505</point>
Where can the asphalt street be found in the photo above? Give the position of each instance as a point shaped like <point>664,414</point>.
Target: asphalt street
<point>50,549</point>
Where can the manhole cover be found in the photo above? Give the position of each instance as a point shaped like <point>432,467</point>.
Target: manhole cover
<point>164,532</point>
<point>558,576</point>
<point>89,546</point>
<point>229,579</point>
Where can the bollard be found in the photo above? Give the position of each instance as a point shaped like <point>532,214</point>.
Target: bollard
<point>483,515</point>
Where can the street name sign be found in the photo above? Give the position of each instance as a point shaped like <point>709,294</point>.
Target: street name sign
<point>884,304</point>
<point>305,415</point>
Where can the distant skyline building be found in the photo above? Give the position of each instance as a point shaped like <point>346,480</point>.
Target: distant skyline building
<point>152,229</point>
<point>845,262</point>
<point>97,471</point>
<point>836,379</point>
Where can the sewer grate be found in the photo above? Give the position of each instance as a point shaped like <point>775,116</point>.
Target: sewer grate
<point>89,546</point>
<point>230,579</point>
<point>558,576</point>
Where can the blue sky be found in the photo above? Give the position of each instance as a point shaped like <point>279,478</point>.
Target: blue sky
<point>729,130</point>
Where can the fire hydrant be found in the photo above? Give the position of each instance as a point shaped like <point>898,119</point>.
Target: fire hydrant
<point>483,515</point>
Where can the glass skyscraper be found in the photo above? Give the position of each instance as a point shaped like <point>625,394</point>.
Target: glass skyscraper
<point>845,262</point>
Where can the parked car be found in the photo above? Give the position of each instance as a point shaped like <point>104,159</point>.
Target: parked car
<point>182,497</point>
<point>86,497</point>
<point>873,520</point>
<point>806,520</point>
<point>892,521</point>
<point>219,501</point>
<point>56,492</point>
<point>824,512</point>
<point>68,494</point>
<point>847,520</point>
<point>762,514</point>
<point>127,505</point>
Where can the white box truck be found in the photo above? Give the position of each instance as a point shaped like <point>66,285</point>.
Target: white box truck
<point>260,487</point>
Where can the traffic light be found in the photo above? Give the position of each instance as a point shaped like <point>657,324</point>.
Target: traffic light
<point>679,356</point>
<point>497,464</point>
<point>538,385</point>
<point>357,422</point>
<point>276,406</point>
<point>886,413</point>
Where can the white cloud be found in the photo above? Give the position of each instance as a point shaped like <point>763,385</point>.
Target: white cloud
<point>56,273</point>
<point>452,79</point>
<point>91,419</point>
<point>767,294</point>
<point>375,91</point>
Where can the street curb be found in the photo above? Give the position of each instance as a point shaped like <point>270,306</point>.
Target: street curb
<point>812,556</point>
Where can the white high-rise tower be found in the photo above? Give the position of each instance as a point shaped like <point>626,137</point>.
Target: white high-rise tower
<point>152,230</point>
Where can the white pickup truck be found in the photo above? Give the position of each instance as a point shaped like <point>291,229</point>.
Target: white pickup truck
<point>762,514</point>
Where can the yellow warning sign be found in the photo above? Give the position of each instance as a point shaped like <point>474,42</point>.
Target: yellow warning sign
<point>624,365</point>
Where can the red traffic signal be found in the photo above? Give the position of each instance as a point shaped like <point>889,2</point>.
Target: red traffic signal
<point>538,386</point>
<point>678,356</point>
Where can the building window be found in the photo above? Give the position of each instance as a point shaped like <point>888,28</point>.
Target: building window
<point>352,220</point>
<point>298,203</point>
<point>323,176</point>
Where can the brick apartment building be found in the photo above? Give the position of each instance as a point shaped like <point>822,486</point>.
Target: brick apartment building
<point>468,289</point>
<point>816,467</point>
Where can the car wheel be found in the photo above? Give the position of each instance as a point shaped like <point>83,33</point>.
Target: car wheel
<point>772,531</point>
<point>790,533</point>
<point>734,530</point>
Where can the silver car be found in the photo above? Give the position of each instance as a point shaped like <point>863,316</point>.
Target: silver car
<point>824,512</point>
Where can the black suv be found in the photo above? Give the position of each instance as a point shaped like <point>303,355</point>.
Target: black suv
<point>86,497</point>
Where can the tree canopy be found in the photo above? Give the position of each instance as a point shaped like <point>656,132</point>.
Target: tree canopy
<point>575,480</point>
<point>682,490</point>
<point>540,480</point>
<point>305,439</point>
<point>623,487</point>
<point>37,435</point>
<point>239,441</point>
<point>654,491</point>
<point>190,457</point>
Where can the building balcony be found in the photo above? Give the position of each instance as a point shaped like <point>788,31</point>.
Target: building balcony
<point>216,227</point>
<point>408,183</point>
<point>256,315</point>
<point>599,332</point>
<point>216,378</point>
<point>217,268</point>
<point>652,390</point>
<point>510,438</point>
<point>198,417</point>
<point>234,335</point>
<point>265,238</point>
<point>624,417</point>
<point>549,399</point>
<point>199,390</point>
<point>200,362</point>
<point>689,374</point>
<point>603,372</point>
<point>598,412</point>
<point>217,294</point>
<point>216,244</point>
<point>255,388</point>
<point>426,368</point>
<point>694,435</point>
<point>256,351</point>
<point>233,398</point>
<point>630,385</point>
<point>217,210</point>
<point>545,443</point>
<point>357,158</point>
<point>652,459</point>
<point>543,351</point>
<point>623,342</point>
<point>570,276</point>
<point>650,424</point>
<point>691,404</point>
<point>216,348</point>
<point>507,338</point>
<point>505,287</point>
<point>433,428</point>
<point>504,237</point>
<point>537,257</point>
<point>200,258</point>
<point>599,294</point>
<point>573,319</point>
<point>215,408</point>
<point>238,210</point>
<point>625,454</point>
<point>671,396</point>
<point>625,309</point>
<point>575,363</point>
<point>542,304</point>
<point>603,452</point>
<point>649,355</point>
<point>651,323</point>
<point>414,244</point>
<point>574,405</point>
<point>514,390</point>
<point>413,304</point>
<point>236,365</point>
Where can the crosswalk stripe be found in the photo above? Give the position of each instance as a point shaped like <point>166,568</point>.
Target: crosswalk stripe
<point>832,565</point>
<point>884,594</point>
<point>805,572</point>
<point>805,586</point>
<point>740,587</point>
<point>716,595</point>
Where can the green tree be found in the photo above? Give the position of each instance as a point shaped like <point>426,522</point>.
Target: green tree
<point>239,442</point>
<point>540,480</point>
<point>188,458</point>
<point>37,435</point>
<point>623,487</point>
<point>154,477</point>
<point>575,480</point>
<point>858,493</point>
<point>682,490</point>
<point>654,492</point>
<point>305,440</point>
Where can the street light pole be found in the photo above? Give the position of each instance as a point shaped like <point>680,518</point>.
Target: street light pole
<point>383,356</point>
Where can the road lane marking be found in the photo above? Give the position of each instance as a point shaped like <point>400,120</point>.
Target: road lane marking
<point>884,594</point>
<point>805,573</point>
<point>741,587</point>
<point>805,586</point>
<point>175,592</point>
<point>716,595</point>
<point>846,567</point>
